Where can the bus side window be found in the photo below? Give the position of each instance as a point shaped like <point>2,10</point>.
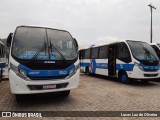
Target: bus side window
<point>103,54</point>
<point>123,53</point>
<point>94,53</point>
<point>87,54</point>
<point>81,54</point>
<point>0,51</point>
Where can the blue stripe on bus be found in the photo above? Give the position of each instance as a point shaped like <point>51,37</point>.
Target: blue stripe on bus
<point>85,64</point>
<point>102,65</point>
<point>46,73</point>
<point>126,67</point>
<point>94,66</point>
<point>150,68</point>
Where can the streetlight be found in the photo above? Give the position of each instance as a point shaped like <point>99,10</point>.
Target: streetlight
<point>151,7</point>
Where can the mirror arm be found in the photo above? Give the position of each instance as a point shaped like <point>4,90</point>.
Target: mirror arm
<point>76,44</point>
<point>9,39</point>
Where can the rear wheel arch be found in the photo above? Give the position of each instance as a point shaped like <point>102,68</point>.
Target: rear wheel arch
<point>123,76</point>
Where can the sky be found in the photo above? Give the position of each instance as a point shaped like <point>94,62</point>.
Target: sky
<point>89,21</point>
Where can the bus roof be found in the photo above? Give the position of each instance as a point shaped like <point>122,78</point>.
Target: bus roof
<point>109,43</point>
<point>40,27</point>
<point>154,43</point>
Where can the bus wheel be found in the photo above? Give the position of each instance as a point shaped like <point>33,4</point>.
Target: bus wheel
<point>66,93</point>
<point>144,81</point>
<point>87,70</point>
<point>123,77</point>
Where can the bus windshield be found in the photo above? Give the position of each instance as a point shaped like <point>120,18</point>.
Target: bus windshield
<point>158,44</point>
<point>142,51</point>
<point>43,44</point>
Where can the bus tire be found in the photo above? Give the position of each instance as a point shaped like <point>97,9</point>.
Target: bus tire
<point>87,71</point>
<point>66,93</point>
<point>123,77</point>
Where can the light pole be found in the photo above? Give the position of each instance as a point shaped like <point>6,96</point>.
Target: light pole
<point>151,7</point>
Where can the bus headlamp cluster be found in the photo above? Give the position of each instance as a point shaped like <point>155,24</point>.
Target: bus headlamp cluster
<point>14,68</point>
<point>139,66</point>
<point>73,71</point>
<point>142,68</point>
<point>21,73</point>
<point>158,68</point>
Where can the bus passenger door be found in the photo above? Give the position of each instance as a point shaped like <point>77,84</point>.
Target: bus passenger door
<point>112,60</point>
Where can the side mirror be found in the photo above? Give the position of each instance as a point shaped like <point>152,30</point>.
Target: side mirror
<point>9,39</point>
<point>76,44</point>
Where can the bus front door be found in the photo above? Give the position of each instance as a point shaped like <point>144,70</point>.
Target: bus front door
<point>112,61</point>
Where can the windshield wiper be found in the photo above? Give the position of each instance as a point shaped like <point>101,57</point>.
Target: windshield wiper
<point>52,46</point>
<point>37,53</point>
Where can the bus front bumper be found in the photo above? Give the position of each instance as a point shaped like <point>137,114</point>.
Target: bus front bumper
<point>139,74</point>
<point>20,86</point>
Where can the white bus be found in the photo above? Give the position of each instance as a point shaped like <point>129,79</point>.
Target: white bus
<point>125,60</point>
<point>42,60</point>
<point>156,47</point>
<point>2,60</point>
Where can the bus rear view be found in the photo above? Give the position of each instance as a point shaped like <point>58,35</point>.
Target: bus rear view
<point>42,60</point>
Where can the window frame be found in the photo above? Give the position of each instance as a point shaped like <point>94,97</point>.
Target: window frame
<point>126,59</point>
<point>89,54</point>
<point>104,56</point>
<point>93,53</point>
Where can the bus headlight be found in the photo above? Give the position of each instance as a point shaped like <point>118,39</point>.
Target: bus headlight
<point>14,68</point>
<point>158,68</point>
<point>19,72</point>
<point>73,71</point>
<point>139,66</point>
<point>22,72</point>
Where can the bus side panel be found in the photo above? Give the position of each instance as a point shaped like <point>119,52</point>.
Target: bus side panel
<point>101,67</point>
<point>84,63</point>
<point>96,66</point>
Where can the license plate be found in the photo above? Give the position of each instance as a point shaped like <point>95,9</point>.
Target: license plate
<point>49,86</point>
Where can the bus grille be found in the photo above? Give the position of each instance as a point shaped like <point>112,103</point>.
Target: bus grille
<point>40,87</point>
<point>48,78</point>
<point>150,75</point>
<point>152,70</point>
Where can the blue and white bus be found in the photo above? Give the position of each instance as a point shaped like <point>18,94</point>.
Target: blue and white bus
<point>156,47</point>
<point>2,60</point>
<point>124,60</point>
<point>42,60</point>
